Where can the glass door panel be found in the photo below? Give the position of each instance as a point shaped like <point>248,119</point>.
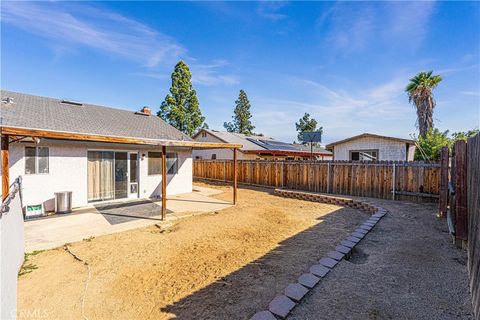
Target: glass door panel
<point>121,175</point>
<point>133,175</point>
<point>100,175</point>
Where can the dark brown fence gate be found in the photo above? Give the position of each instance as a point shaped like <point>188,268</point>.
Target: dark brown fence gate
<point>461,203</point>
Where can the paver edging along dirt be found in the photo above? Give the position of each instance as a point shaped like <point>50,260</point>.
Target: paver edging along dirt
<point>284,303</point>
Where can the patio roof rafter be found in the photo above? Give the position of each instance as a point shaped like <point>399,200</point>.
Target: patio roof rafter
<point>62,135</point>
<point>17,133</point>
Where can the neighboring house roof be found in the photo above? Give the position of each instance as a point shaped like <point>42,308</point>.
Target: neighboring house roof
<point>233,137</point>
<point>42,113</point>
<point>306,148</point>
<point>257,143</point>
<point>369,135</point>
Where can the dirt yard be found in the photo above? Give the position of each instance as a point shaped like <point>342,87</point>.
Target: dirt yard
<point>223,265</point>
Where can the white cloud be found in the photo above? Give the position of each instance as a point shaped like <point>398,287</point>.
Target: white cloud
<point>269,10</point>
<point>381,108</point>
<point>209,74</point>
<point>356,26</point>
<point>470,93</point>
<point>67,25</point>
<point>409,21</point>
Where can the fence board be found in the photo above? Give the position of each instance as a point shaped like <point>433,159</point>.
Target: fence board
<point>473,204</point>
<point>413,180</point>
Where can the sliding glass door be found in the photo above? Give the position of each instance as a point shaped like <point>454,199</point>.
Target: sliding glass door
<point>107,175</point>
<point>100,175</point>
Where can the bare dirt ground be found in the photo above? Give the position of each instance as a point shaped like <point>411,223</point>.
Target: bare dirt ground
<point>225,265</point>
<point>406,268</point>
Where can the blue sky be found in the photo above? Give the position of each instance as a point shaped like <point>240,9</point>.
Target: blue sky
<point>345,63</point>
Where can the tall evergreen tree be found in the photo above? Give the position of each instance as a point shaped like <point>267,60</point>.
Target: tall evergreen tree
<point>306,123</point>
<point>241,116</point>
<point>181,107</point>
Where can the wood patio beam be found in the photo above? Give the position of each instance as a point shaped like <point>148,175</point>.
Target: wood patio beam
<point>164,183</point>
<point>234,176</point>
<point>13,131</point>
<point>5,155</point>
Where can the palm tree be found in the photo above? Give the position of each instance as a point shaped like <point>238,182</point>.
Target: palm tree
<point>420,95</point>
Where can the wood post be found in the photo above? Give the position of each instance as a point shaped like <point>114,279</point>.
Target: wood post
<point>393,181</point>
<point>461,217</point>
<point>443,200</point>
<point>234,175</point>
<point>328,177</point>
<point>5,166</point>
<point>164,182</point>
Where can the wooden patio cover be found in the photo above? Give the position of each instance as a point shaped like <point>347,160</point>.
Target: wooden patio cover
<point>12,134</point>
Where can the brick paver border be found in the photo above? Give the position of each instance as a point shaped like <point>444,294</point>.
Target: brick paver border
<point>294,293</point>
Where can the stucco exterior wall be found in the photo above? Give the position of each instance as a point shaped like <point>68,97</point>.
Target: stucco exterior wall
<point>12,248</point>
<point>387,149</point>
<point>68,172</point>
<point>223,154</point>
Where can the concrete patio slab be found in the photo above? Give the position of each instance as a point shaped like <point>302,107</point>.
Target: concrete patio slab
<point>54,231</point>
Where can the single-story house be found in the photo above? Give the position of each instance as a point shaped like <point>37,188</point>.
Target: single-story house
<point>255,147</point>
<point>99,153</point>
<point>372,147</point>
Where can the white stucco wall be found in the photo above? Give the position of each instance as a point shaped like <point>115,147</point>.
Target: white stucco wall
<point>387,149</point>
<point>223,154</point>
<point>12,247</point>
<point>68,172</point>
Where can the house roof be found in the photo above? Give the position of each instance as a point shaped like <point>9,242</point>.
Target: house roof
<point>257,143</point>
<point>233,137</point>
<point>306,148</point>
<point>56,118</point>
<point>369,135</point>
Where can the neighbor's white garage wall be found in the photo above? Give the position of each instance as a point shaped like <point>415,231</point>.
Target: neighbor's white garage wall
<point>223,154</point>
<point>387,149</point>
<point>68,172</point>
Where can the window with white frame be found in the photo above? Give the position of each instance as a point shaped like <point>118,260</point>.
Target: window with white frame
<point>172,163</point>
<point>364,155</point>
<point>155,163</point>
<point>36,160</point>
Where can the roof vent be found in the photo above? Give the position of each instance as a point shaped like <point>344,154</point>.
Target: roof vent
<point>146,111</point>
<point>73,103</point>
<point>7,100</point>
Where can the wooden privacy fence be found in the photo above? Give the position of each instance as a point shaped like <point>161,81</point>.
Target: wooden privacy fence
<point>460,203</point>
<point>383,179</point>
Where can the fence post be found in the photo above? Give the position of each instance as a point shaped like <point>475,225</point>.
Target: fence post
<point>393,181</point>
<point>225,170</point>
<point>328,177</point>
<point>283,177</point>
<point>443,199</point>
<point>461,223</point>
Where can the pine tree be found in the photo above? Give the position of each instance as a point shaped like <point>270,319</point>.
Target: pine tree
<point>306,123</point>
<point>241,116</point>
<point>181,107</point>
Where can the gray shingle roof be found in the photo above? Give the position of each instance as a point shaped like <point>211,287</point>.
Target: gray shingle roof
<point>34,112</point>
<point>256,142</point>
<point>234,137</point>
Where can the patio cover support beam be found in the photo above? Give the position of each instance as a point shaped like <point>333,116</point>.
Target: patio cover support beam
<point>5,166</point>
<point>164,183</point>
<point>49,134</point>
<point>234,175</point>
